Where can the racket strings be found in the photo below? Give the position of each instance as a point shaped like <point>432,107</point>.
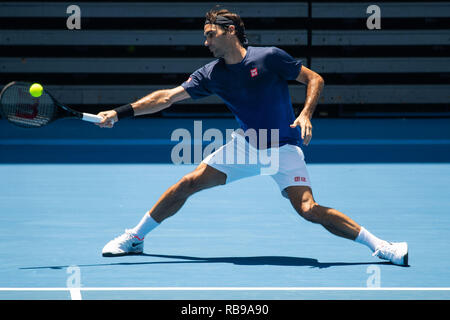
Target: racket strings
<point>19,107</point>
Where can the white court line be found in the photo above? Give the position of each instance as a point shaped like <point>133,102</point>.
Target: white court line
<point>235,289</point>
<point>75,293</point>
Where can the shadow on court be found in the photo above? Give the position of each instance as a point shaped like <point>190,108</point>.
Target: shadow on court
<point>246,261</point>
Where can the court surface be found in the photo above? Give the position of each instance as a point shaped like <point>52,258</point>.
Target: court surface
<point>238,241</point>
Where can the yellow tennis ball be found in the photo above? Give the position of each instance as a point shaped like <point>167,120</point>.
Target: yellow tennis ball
<point>36,90</point>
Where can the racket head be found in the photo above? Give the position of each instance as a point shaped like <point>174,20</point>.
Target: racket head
<point>20,108</point>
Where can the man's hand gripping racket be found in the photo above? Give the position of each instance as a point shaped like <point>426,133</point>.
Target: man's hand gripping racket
<point>108,119</point>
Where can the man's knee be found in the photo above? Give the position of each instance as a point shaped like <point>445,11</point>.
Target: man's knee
<point>303,202</point>
<point>310,210</point>
<point>186,186</point>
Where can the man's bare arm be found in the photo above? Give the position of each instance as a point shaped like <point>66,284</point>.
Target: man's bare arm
<point>151,103</point>
<point>159,100</point>
<point>314,85</point>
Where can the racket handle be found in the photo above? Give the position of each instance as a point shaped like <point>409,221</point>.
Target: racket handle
<point>91,117</point>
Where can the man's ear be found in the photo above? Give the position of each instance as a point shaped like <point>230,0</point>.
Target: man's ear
<point>232,29</point>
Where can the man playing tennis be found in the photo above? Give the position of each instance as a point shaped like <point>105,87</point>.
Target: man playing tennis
<point>253,82</point>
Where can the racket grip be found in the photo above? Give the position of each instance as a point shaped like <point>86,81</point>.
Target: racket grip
<point>91,117</point>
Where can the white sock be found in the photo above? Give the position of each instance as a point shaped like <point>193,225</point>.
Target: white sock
<point>146,225</point>
<point>368,239</point>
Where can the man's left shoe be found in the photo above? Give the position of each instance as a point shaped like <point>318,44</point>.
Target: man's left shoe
<point>395,252</point>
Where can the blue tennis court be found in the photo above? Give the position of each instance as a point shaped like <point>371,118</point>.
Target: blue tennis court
<point>69,188</point>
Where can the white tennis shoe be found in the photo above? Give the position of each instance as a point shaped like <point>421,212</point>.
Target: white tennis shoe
<point>125,244</point>
<point>395,252</point>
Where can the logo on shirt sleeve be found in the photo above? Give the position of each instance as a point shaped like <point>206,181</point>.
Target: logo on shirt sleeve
<point>254,72</point>
<point>189,80</point>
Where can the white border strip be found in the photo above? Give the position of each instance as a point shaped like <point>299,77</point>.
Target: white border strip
<point>235,289</point>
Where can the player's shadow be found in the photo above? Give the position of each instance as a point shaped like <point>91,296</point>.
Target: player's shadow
<point>243,261</point>
<point>262,260</point>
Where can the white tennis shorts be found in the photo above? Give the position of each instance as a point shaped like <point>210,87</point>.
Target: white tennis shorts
<point>238,159</point>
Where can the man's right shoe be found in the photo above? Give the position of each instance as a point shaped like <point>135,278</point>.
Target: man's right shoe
<point>126,244</point>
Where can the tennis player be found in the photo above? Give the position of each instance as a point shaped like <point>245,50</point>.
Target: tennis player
<point>253,82</point>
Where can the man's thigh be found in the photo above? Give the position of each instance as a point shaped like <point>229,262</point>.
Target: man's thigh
<point>205,176</point>
<point>234,159</point>
<point>292,171</point>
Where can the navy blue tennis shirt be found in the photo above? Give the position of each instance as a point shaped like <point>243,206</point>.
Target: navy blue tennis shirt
<point>255,90</point>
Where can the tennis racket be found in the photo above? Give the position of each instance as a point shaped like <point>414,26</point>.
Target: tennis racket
<point>20,108</point>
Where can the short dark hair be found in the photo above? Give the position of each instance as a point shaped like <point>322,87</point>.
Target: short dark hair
<point>211,16</point>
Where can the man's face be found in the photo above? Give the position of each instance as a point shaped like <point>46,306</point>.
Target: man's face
<point>217,40</point>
